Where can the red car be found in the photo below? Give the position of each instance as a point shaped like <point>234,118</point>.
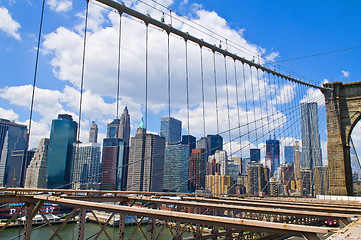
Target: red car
<point>331,223</point>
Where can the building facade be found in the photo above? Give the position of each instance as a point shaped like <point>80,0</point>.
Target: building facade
<point>197,169</point>
<point>86,166</point>
<point>258,177</point>
<point>219,184</point>
<point>124,128</point>
<point>146,162</point>
<point>272,154</point>
<point>171,129</point>
<point>60,155</point>
<point>288,154</point>
<point>93,133</point>
<point>19,160</point>
<point>175,168</point>
<point>36,171</point>
<point>190,141</point>
<point>311,146</point>
<point>13,136</point>
<point>115,164</point>
<point>255,154</point>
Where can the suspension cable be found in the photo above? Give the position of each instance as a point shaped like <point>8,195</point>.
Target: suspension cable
<point>229,119</point>
<point>146,73</point>
<point>202,82</point>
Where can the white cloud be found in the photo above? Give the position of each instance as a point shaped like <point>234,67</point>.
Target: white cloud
<point>60,5</point>
<point>8,24</point>
<point>8,114</point>
<point>346,74</point>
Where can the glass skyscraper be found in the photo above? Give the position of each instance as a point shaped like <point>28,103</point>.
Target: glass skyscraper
<point>85,168</point>
<point>13,136</point>
<point>311,146</point>
<point>272,154</point>
<point>171,129</point>
<point>255,154</point>
<point>60,155</point>
<point>289,154</point>
<point>176,168</point>
<point>115,164</point>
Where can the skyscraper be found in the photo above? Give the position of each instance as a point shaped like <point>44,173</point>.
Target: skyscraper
<point>258,177</point>
<point>171,129</point>
<point>36,171</point>
<point>175,168</point>
<point>272,154</point>
<point>19,161</point>
<point>60,155</point>
<point>115,164</point>
<point>289,157</point>
<point>93,133</point>
<point>124,128</point>
<point>311,146</point>
<point>211,144</point>
<point>222,158</point>
<point>197,169</point>
<point>113,129</point>
<point>146,162</point>
<point>120,128</point>
<point>13,136</point>
<point>190,141</point>
<point>85,169</point>
<point>296,156</point>
<point>255,154</point>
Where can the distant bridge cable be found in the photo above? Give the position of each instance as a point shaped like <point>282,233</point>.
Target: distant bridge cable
<point>317,54</point>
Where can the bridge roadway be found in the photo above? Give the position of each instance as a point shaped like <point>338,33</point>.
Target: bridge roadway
<point>266,218</point>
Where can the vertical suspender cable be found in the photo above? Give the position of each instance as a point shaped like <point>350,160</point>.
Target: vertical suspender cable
<point>204,120</point>
<point>119,59</point>
<point>237,98</point>
<point>168,72</point>
<point>254,107</point>
<point>146,73</point>
<point>82,75</point>
<point>229,120</point>
<point>187,84</point>
<point>260,101</point>
<point>245,100</point>
<point>34,82</point>
<point>215,92</point>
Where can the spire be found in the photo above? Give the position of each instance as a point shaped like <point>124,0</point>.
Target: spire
<point>141,125</point>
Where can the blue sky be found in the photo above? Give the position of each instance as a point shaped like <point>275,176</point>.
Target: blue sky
<point>276,29</point>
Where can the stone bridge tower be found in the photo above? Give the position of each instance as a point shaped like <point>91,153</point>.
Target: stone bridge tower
<point>343,111</point>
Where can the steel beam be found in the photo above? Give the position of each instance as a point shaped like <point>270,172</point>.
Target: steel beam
<point>243,224</point>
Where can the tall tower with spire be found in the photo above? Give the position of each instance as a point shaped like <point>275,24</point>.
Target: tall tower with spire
<point>124,126</point>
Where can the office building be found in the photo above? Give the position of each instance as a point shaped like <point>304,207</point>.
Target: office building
<point>244,165</point>
<point>222,158</point>
<point>212,167</point>
<point>296,158</point>
<point>114,165</point>
<point>311,145</point>
<point>190,141</point>
<point>197,169</point>
<point>19,160</point>
<point>124,128</point>
<point>60,155</point>
<point>286,178</point>
<point>272,154</point>
<point>306,183</point>
<point>320,180</point>
<point>175,168</point>
<point>146,162</point>
<point>234,169</point>
<point>288,154</point>
<point>13,136</point>
<point>258,177</point>
<point>36,171</point>
<point>211,144</point>
<point>171,129</point>
<point>86,166</point>
<point>255,154</point>
<point>274,188</point>
<point>219,184</point>
<point>93,133</point>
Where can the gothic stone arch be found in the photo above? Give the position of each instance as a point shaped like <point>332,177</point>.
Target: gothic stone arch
<point>343,111</point>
